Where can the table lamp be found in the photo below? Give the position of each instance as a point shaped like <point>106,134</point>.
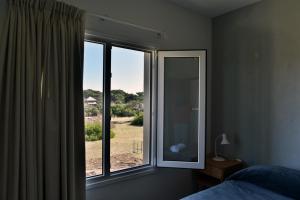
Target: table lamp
<point>223,142</point>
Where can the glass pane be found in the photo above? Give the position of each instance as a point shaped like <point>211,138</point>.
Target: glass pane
<point>128,148</point>
<point>92,92</point>
<point>181,102</point>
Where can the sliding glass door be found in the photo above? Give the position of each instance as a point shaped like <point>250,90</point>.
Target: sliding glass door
<point>181,109</point>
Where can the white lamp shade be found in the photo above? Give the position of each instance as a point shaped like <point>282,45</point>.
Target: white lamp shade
<point>224,139</point>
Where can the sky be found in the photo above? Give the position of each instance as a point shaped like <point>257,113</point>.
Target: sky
<point>127,68</point>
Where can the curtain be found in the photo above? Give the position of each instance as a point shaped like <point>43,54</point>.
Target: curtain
<point>41,106</point>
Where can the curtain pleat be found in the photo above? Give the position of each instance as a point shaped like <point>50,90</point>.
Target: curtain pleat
<point>41,122</point>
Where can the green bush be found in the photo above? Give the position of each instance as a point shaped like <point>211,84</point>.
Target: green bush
<point>93,132</point>
<point>91,112</point>
<point>138,120</point>
<point>121,110</point>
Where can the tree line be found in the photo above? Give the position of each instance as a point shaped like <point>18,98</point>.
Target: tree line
<point>123,104</point>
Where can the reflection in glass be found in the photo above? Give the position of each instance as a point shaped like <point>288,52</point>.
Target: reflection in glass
<point>181,103</point>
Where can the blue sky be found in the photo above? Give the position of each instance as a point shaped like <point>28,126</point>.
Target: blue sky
<point>127,68</point>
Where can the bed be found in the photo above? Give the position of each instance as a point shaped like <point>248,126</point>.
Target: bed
<point>255,183</point>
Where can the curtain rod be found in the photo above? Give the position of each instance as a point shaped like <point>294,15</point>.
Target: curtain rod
<point>159,34</point>
<point>107,18</point>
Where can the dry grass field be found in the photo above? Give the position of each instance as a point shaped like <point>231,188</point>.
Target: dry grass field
<point>123,154</point>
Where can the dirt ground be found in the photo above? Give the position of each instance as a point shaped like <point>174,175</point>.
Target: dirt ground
<point>126,148</point>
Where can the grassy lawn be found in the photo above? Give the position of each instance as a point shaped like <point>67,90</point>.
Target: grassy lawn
<point>122,148</point>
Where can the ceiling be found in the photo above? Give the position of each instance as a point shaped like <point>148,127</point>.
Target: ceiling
<point>213,8</point>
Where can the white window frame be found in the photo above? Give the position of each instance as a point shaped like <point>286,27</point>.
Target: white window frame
<point>201,54</point>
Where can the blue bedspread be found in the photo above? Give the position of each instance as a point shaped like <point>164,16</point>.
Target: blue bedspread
<point>231,190</point>
<point>255,183</point>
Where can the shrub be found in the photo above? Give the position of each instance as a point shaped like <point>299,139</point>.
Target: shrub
<point>93,132</point>
<point>121,110</point>
<point>138,120</point>
<point>91,112</point>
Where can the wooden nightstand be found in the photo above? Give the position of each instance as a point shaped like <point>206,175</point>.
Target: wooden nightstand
<point>215,172</point>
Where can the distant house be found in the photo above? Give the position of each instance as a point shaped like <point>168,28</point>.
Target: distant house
<point>90,101</point>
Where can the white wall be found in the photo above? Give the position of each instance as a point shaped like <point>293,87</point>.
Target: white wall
<point>183,29</point>
<point>256,87</point>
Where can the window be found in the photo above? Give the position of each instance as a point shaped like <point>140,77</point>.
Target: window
<point>181,109</point>
<point>117,100</point>
<point>117,105</point>
<point>93,106</point>
<point>127,110</point>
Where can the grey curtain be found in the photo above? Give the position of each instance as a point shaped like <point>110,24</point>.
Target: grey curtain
<point>41,121</point>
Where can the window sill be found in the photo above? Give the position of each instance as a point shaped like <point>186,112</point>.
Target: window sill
<point>101,181</point>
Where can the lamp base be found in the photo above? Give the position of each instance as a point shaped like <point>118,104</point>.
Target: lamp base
<point>218,158</point>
